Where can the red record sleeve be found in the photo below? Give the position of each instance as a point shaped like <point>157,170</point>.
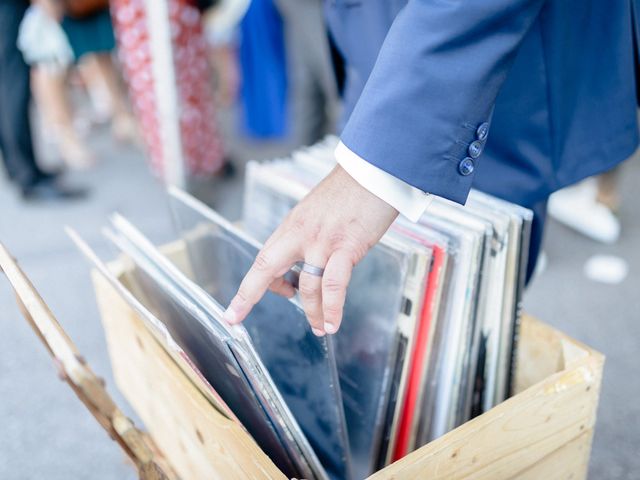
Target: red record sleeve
<point>419,356</point>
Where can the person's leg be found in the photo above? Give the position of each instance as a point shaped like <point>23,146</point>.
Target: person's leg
<point>320,63</point>
<point>608,191</point>
<point>15,93</point>
<point>224,63</point>
<point>309,67</point>
<point>52,99</point>
<point>99,73</point>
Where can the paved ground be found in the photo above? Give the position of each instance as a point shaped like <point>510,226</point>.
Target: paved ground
<point>46,434</point>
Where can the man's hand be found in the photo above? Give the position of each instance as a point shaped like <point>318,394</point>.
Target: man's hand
<point>332,228</point>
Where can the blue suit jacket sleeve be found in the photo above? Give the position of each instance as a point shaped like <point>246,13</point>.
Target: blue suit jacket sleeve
<point>434,83</point>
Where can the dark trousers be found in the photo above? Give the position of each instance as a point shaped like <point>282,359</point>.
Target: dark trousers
<point>537,231</point>
<point>309,61</point>
<point>16,145</point>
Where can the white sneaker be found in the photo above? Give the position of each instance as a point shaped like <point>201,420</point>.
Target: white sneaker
<point>577,208</point>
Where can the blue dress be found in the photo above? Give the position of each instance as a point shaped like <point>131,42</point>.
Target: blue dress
<point>263,92</point>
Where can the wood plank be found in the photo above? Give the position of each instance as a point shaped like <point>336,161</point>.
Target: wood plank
<point>539,354</point>
<point>569,462</point>
<point>197,440</point>
<point>88,387</point>
<point>543,351</point>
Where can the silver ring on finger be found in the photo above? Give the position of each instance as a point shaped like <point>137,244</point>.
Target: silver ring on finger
<point>312,269</point>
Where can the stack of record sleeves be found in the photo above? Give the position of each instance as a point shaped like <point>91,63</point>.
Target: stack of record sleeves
<point>426,343</point>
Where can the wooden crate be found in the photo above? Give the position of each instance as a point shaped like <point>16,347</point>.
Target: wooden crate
<point>543,432</point>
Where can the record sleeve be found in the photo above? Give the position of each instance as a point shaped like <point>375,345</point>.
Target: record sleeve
<point>218,357</point>
<point>525,243</point>
<point>488,356</point>
<point>370,350</point>
<point>470,340</point>
<point>458,327</point>
<point>372,342</point>
<point>267,200</point>
<point>423,337</point>
<point>518,251</point>
<point>414,288</point>
<point>301,364</point>
<point>156,327</point>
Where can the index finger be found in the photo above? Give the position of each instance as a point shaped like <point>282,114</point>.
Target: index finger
<point>272,262</point>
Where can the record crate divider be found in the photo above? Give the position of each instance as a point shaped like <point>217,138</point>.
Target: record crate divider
<point>544,431</point>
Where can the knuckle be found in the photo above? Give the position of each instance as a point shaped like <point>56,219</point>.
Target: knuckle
<point>312,232</point>
<point>262,262</point>
<point>336,239</point>
<point>358,251</point>
<point>333,285</point>
<point>351,246</point>
<point>308,290</point>
<point>296,224</point>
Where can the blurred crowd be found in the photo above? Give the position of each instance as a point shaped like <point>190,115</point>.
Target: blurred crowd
<point>158,76</point>
<point>143,70</point>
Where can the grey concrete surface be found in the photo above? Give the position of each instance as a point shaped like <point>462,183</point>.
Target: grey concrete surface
<point>47,434</point>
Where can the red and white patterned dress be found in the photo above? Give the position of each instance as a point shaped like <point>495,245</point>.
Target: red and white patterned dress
<point>200,148</point>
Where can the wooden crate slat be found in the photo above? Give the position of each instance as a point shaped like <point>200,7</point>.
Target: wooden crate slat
<point>199,441</point>
<point>571,461</point>
<point>87,386</point>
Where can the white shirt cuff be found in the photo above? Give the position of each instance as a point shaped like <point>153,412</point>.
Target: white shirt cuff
<point>410,201</point>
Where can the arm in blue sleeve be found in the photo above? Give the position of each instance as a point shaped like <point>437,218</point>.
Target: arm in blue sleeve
<point>433,85</point>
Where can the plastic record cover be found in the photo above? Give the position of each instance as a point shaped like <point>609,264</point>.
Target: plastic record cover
<point>470,339</point>
<point>413,297</point>
<point>470,219</point>
<point>424,336</point>
<point>155,326</point>
<point>489,352</point>
<point>373,341</point>
<point>452,367</point>
<point>220,359</point>
<point>427,401</point>
<point>265,202</point>
<point>301,364</point>
<point>518,251</point>
<point>368,345</point>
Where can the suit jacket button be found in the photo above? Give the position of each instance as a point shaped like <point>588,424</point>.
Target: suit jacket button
<point>475,149</point>
<point>466,166</point>
<point>482,131</point>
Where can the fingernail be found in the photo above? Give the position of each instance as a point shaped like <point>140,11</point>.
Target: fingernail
<point>330,328</point>
<point>317,332</point>
<point>230,316</point>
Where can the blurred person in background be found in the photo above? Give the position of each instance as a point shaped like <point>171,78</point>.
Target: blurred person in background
<point>90,36</point>
<point>591,207</point>
<point>164,57</point>
<point>265,84</point>
<point>221,20</point>
<point>16,147</point>
<point>314,96</point>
